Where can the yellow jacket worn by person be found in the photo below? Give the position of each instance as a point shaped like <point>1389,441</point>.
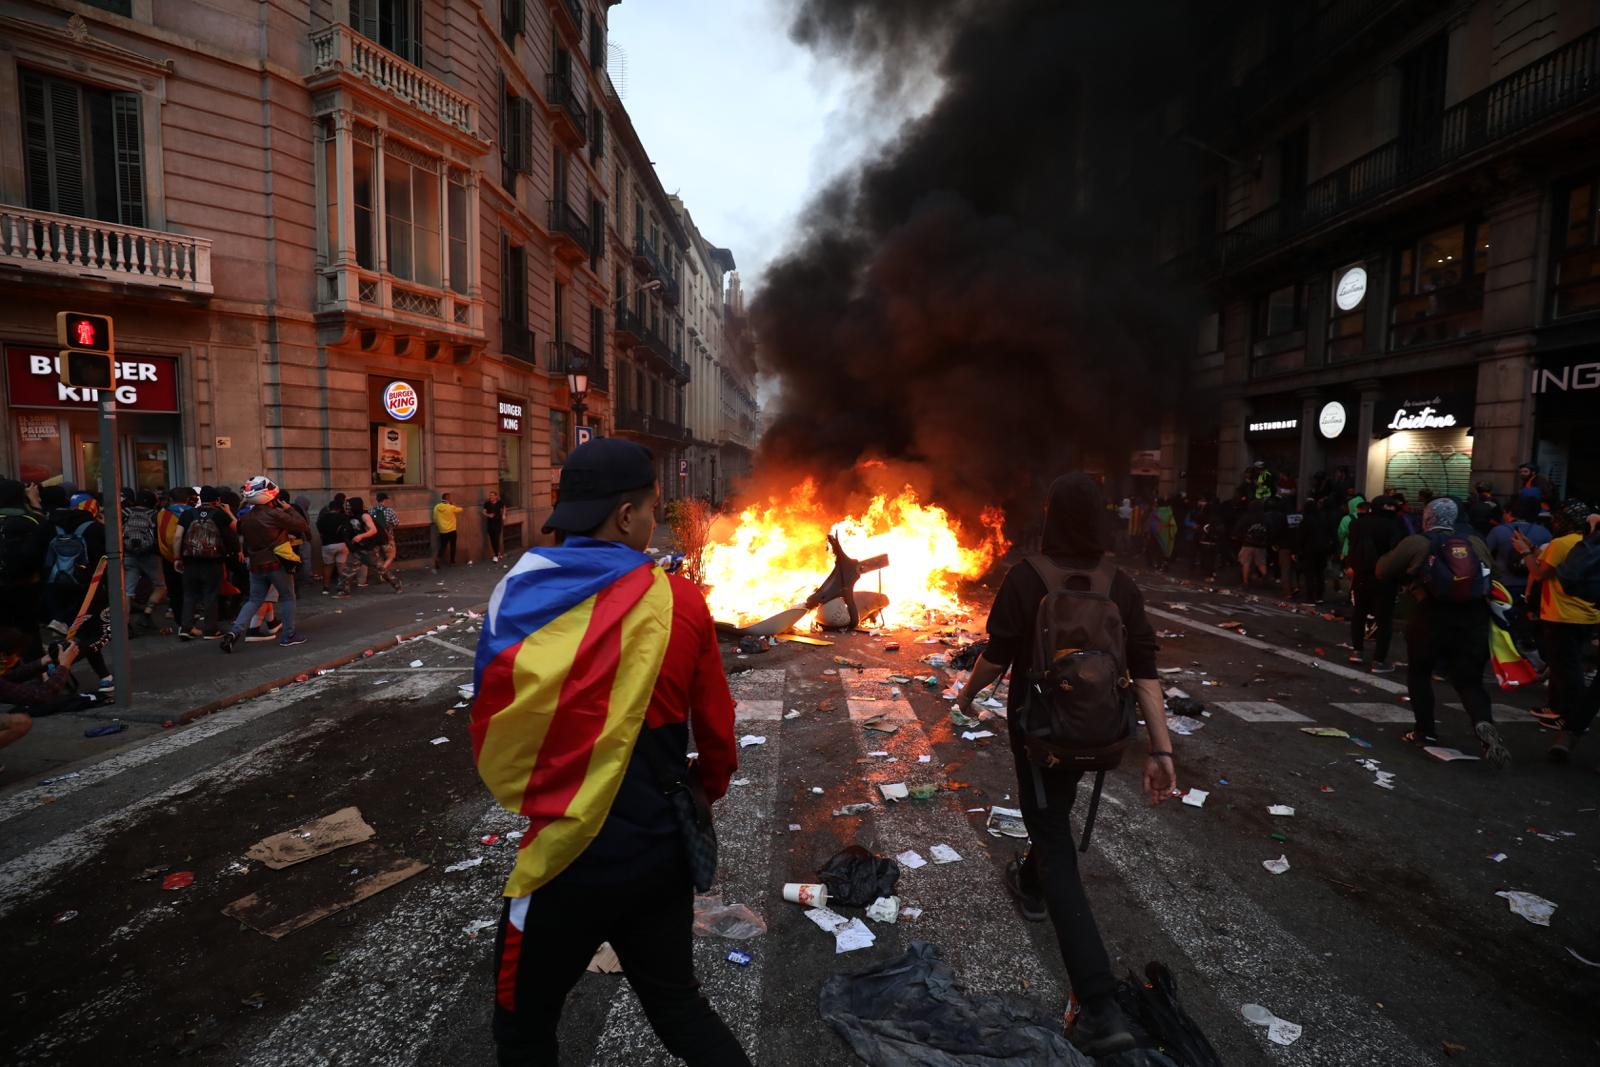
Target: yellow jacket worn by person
<point>444,516</point>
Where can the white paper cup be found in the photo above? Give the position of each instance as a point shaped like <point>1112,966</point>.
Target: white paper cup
<point>810,894</point>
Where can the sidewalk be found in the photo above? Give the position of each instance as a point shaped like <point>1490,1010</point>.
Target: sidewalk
<point>173,677</point>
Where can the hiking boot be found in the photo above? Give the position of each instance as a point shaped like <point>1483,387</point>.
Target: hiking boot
<point>1495,753</point>
<point>1101,1030</point>
<point>1561,751</point>
<point>1030,904</point>
<point>1383,666</point>
<point>228,639</point>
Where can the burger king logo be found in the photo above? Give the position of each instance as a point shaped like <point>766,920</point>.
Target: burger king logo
<point>400,400</point>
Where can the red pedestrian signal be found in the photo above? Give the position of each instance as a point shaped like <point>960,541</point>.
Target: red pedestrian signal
<point>87,352</point>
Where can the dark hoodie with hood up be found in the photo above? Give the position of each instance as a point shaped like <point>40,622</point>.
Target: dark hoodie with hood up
<point>1071,540</point>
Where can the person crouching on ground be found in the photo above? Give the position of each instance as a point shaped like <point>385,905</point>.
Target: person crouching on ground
<point>1047,881</point>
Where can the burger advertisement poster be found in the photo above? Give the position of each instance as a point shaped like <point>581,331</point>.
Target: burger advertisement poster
<point>397,415</point>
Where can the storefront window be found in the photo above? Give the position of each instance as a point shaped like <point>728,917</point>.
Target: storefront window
<point>1577,273</point>
<point>1439,286</point>
<point>560,437</point>
<point>396,425</point>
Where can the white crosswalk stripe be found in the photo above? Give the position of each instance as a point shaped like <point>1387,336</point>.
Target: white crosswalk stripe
<point>1379,712</point>
<point>1261,711</point>
<point>1504,713</point>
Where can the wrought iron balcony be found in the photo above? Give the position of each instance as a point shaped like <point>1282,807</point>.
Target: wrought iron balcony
<point>337,49</point>
<point>74,248</point>
<point>659,427</point>
<point>1511,108</point>
<point>573,238</point>
<point>564,357</point>
<point>630,328</point>
<point>569,13</point>
<point>570,112</point>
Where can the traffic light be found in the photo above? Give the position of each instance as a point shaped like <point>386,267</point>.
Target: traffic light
<point>87,350</point>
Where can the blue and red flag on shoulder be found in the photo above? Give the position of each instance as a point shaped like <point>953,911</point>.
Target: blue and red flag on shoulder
<point>571,646</point>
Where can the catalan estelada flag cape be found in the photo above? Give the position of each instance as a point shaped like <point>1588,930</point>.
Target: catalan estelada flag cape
<point>567,660</point>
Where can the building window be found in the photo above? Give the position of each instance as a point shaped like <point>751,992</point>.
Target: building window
<point>364,160</point>
<point>597,45</point>
<point>82,150</point>
<point>460,269</point>
<point>1439,286</point>
<point>411,214</point>
<point>597,341</point>
<point>395,422</point>
<point>514,301</point>
<point>1347,327</point>
<point>1577,273</point>
<point>394,24</point>
<point>1280,312</point>
<point>597,135</point>
<point>512,19</point>
<point>597,233</point>
<point>516,138</point>
<point>560,312</point>
<point>116,7</point>
<point>560,437</point>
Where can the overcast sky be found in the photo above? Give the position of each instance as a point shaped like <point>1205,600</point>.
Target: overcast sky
<point>741,122</point>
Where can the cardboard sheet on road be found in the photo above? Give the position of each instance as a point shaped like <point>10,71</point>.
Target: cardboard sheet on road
<point>310,894</point>
<point>310,840</point>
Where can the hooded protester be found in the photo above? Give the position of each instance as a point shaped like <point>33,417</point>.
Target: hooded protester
<point>1450,633</point>
<point>24,534</point>
<point>77,544</point>
<point>1566,629</point>
<point>1162,536</point>
<point>1317,542</point>
<point>1353,508</point>
<point>1046,881</point>
<point>1531,483</point>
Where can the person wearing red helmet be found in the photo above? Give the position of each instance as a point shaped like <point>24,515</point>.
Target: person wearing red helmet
<point>270,524</point>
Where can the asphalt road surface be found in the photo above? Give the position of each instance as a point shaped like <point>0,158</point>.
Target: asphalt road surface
<point>1384,940</point>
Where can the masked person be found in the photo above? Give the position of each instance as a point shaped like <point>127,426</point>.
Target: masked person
<point>1373,535</point>
<point>592,746</point>
<point>1047,881</point>
<point>1450,629</point>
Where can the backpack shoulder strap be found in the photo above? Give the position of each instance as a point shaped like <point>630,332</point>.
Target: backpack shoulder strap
<point>1054,577</point>
<point>78,533</point>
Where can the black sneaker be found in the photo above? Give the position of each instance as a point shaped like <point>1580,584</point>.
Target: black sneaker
<point>1101,1030</point>
<point>1495,753</point>
<point>1030,904</point>
<point>1383,666</point>
<point>256,633</point>
<point>289,640</point>
<point>1561,751</point>
<point>228,639</point>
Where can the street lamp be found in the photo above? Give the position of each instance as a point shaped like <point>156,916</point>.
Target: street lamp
<point>578,387</point>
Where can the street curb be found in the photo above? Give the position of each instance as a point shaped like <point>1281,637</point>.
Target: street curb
<point>387,643</point>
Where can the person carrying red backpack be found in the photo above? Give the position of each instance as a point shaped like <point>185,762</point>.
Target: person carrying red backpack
<point>1450,573</point>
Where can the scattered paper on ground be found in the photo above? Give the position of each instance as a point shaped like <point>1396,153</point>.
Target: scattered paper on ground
<point>1183,725</point>
<point>1446,755</point>
<point>309,840</point>
<point>1196,798</point>
<point>1277,866</point>
<point>1530,906</point>
<point>894,791</point>
<point>944,854</point>
<point>296,900</point>
<point>1324,731</point>
<point>1279,809</point>
<point>852,936</point>
<point>1006,822</point>
<point>884,910</point>
<point>910,860</point>
<point>463,865</point>
<point>751,739</point>
<point>827,919</point>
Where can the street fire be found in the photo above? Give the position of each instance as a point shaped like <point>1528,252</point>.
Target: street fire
<point>773,555</point>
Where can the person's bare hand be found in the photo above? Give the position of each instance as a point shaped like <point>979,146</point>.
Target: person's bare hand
<point>1160,778</point>
<point>69,654</point>
<point>1519,541</point>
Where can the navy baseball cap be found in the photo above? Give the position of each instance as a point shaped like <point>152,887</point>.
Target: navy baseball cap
<point>595,476</point>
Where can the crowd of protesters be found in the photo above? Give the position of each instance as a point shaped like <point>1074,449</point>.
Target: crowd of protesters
<point>202,563</point>
<point>1532,556</point>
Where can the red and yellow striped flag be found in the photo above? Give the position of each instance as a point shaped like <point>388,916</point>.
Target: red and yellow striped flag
<point>567,661</point>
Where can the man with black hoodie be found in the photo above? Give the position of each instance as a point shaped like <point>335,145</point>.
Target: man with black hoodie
<point>1047,881</point>
<point>1373,534</point>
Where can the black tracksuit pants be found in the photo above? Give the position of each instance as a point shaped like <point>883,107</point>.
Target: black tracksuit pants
<point>649,921</point>
<point>1455,638</point>
<point>1051,870</point>
<point>1376,599</point>
<point>1564,644</point>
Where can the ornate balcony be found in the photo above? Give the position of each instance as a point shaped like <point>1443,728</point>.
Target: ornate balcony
<point>74,249</point>
<point>655,427</point>
<point>569,15</point>
<point>339,50</point>
<point>572,117</point>
<point>380,310</point>
<point>630,328</point>
<point>570,232</point>
<point>564,357</point>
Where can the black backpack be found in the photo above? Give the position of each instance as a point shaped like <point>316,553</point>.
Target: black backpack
<point>1079,710</point>
<point>19,547</point>
<point>1580,571</point>
<point>202,537</point>
<point>1255,535</point>
<point>139,531</point>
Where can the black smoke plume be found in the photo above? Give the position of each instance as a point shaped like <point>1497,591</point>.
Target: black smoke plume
<point>979,305</point>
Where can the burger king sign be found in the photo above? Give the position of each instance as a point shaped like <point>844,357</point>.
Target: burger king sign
<point>400,400</point>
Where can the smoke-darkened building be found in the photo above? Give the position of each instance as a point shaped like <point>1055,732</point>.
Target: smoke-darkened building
<point>1395,222</point>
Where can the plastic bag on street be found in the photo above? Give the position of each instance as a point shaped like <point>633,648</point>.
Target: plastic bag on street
<point>911,1012</point>
<point>713,918</point>
<point>1153,1006</point>
<point>856,877</point>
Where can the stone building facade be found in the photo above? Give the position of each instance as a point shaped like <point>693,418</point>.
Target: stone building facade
<point>355,245</point>
<point>1395,222</point>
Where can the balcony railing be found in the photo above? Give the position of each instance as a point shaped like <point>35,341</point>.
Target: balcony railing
<point>630,328</point>
<point>337,48</point>
<point>645,254</point>
<point>564,357</point>
<point>570,12</point>
<point>1512,106</point>
<point>354,290</point>
<point>648,341</point>
<point>563,97</point>
<point>648,425</point>
<point>72,247</point>
<point>570,229</point>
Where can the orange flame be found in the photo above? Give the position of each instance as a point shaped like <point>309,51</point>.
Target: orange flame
<point>773,556</point>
